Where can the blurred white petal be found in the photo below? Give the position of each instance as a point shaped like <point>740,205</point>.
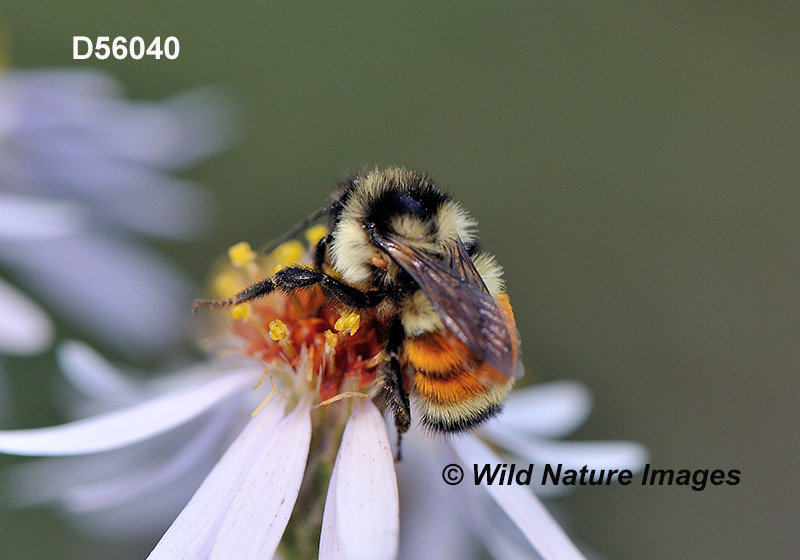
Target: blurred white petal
<point>63,89</point>
<point>48,480</point>
<point>90,373</point>
<point>24,327</point>
<point>193,533</point>
<point>121,293</point>
<point>25,217</point>
<point>88,106</point>
<point>367,517</point>
<point>521,505</point>
<point>143,518</point>
<point>552,409</point>
<point>119,192</point>
<point>130,486</point>
<point>159,206</point>
<point>257,517</point>
<point>575,454</point>
<point>207,120</point>
<point>78,157</point>
<point>499,534</point>
<point>127,426</point>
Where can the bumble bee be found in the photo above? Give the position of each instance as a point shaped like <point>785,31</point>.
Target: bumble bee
<point>401,247</point>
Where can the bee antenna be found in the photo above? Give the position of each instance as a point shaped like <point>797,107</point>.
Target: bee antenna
<point>297,228</point>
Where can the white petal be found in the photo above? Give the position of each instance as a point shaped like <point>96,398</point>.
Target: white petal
<point>192,534</point>
<point>575,454</point>
<point>24,327</point>
<point>521,505</point>
<point>122,293</point>
<point>551,409</point>
<point>42,98</point>
<point>257,517</point>
<point>89,372</point>
<point>432,513</point>
<point>329,546</point>
<point>205,120</point>
<point>143,519</point>
<point>125,427</point>
<point>499,534</point>
<point>120,192</point>
<point>49,480</point>
<point>24,217</point>
<point>155,205</point>
<point>128,487</point>
<point>89,106</point>
<point>367,515</point>
<point>140,515</point>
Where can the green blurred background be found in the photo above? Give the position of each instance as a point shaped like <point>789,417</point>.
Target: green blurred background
<point>634,167</point>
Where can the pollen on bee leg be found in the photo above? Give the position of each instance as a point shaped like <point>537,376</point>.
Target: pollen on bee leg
<point>348,323</point>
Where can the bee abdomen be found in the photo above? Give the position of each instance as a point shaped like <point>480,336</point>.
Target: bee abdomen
<point>455,390</point>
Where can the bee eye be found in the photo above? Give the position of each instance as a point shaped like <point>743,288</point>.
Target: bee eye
<point>372,235</point>
<point>410,204</point>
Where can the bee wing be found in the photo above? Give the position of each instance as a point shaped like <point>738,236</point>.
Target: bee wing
<point>460,297</point>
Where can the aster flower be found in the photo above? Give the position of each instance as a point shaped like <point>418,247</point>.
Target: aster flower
<point>299,353</point>
<point>311,474</point>
<point>80,169</point>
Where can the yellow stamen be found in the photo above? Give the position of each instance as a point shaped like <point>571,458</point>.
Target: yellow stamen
<point>242,255</point>
<point>264,375</point>
<point>242,311</point>
<point>348,323</point>
<point>266,400</point>
<point>278,330</point>
<point>315,233</point>
<point>330,340</point>
<point>225,286</point>
<point>376,359</point>
<point>341,396</point>
<point>288,253</point>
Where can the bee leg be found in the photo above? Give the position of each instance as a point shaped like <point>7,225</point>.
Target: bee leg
<point>390,379</point>
<point>320,249</point>
<point>294,278</point>
<point>394,397</point>
<point>257,290</point>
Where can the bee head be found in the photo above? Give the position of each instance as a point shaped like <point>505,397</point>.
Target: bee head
<point>394,202</point>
